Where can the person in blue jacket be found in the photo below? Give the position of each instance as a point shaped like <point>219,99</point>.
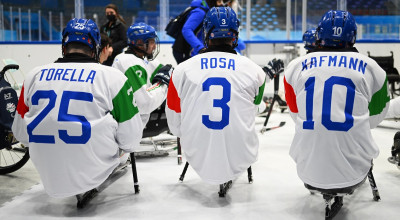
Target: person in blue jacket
<point>190,42</point>
<point>236,7</point>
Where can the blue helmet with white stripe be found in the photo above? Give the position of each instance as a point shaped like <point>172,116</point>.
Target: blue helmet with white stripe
<point>220,22</point>
<point>139,35</point>
<point>309,39</point>
<point>337,29</point>
<point>83,31</point>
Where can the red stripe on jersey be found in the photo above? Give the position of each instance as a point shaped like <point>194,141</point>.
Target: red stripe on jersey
<point>173,100</point>
<point>21,107</point>
<point>290,96</point>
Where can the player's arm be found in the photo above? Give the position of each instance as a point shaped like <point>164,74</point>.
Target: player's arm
<point>173,109</point>
<point>147,99</point>
<point>290,96</point>
<point>258,99</point>
<point>379,104</point>
<point>19,128</point>
<point>130,127</point>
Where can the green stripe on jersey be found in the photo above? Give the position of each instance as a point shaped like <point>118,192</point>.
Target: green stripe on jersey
<point>155,71</point>
<point>123,108</point>
<point>379,100</point>
<point>258,98</point>
<point>137,76</point>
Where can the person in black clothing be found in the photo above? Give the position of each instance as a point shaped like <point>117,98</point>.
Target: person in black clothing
<point>190,41</point>
<point>116,31</point>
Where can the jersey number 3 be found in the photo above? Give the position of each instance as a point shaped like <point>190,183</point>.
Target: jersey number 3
<point>327,104</point>
<point>218,103</point>
<point>62,116</point>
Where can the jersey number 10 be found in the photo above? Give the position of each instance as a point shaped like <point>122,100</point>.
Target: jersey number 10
<point>327,103</point>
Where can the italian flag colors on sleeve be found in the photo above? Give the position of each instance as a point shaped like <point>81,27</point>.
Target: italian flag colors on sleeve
<point>379,100</point>
<point>258,98</point>
<point>137,77</point>
<point>123,108</point>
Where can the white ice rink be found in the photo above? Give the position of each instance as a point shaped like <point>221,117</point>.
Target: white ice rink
<point>277,192</point>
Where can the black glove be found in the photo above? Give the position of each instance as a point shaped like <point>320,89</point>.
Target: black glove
<point>273,68</point>
<point>163,74</point>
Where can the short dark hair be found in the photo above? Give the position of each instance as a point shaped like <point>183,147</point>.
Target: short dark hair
<point>211,3</point>
<point>77,45</point>
<point>221,41</point>
<point>105,40</point>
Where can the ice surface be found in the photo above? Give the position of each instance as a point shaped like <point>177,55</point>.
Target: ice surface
<point>277,192</point>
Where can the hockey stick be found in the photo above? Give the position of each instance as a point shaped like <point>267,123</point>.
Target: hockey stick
<point>276,90</point>
<point>179,151</point>
<point>250,174</point>
<point>134,173</point>
<point>281,124</point>
<point>184,171</point>
<point>374,188</point>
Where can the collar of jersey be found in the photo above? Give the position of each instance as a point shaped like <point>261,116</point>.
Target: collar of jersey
<point>76,58</point>
<point>221,48</point>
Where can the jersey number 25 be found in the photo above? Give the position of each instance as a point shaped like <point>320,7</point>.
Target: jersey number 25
<point>62,116</point>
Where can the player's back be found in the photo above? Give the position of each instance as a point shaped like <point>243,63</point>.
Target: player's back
<point>339,96</point>
<point>71,131</point>
<point>217,91</point>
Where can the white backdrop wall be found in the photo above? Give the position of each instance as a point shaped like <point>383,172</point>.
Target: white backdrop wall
<point>29,56</point>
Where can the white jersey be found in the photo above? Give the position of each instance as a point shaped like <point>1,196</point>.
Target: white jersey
<point>74,117</point>
<point>211,104</point>
<point>335,98</point>
<point>140,73</point>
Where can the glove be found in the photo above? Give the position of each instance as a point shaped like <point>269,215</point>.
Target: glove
<point>273,68</point>
<point>163,74</point>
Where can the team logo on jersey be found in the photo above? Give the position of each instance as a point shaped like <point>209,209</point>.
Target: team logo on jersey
<point>10,107</point>
<point>7,96</point>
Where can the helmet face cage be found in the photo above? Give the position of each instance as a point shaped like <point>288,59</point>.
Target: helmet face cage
<point>82,31</point>
<point>139,35</point>
<point>309,39</point>
<point>221,22</point>
<point>336,29</point>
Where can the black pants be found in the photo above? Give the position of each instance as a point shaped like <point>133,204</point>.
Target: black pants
<point>179,56</point>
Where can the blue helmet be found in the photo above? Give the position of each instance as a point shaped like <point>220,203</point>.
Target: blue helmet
<point>221,22</point>
<point>83,31</point>
<point>139,35</point>
<point>309,39</point>
<point>336,29</point>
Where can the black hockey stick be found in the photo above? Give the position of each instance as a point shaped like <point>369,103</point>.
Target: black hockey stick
<point>250,175</point>
<point>134,173</point>
<point>184,171</point>
<point>374,188</point>
<point>276,90</point>
<point>179,151</point>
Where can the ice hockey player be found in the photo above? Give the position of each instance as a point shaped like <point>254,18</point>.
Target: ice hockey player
<point>148,77</point>
<point>309,40</point>
<point>212,100</point>
<point>76,114</point>
<point>335,96</point>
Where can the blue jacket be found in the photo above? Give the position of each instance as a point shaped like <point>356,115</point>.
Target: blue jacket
<point>195,18</point>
